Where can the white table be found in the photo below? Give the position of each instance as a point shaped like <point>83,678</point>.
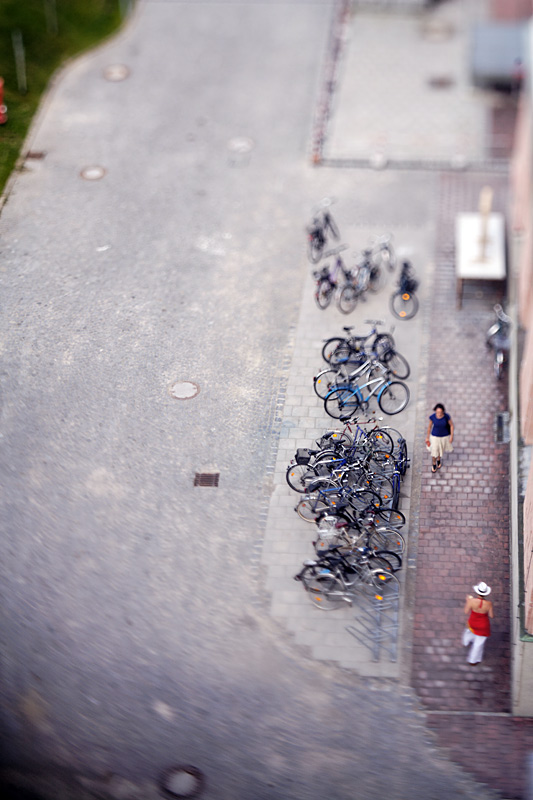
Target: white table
<point>479,249</point>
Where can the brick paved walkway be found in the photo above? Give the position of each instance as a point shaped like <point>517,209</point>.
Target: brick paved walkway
<point>464,522</point>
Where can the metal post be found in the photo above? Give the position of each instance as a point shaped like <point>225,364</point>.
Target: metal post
<point>20,60</point>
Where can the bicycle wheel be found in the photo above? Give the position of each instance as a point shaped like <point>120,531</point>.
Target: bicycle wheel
<point>402,458</point>
<point>380,484</point>
<point>323,294</point>
<point>386,539</point>
<point>382,585</point>
<point>309,508</point>
<point>341,403</point>
<point>404,305</point>
<point>393,398</point>
<point>364,497</point>
<point>315,247</point>
<point>341,438</point>
<point>325,591</point>
<point>336,351</point>
<point>376,279</point>
<point>325,381</point>
<point>298,476</point>
<point>389,516</point>
<point>392,558</point>
<point>347,299</point>
<point>397,364</point>
<point>382,344</point>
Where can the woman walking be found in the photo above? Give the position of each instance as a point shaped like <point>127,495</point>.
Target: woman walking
<point>478,626</point>
<point>439,436</point>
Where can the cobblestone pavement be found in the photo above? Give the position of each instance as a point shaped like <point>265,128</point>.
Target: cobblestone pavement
<point>464,522</point>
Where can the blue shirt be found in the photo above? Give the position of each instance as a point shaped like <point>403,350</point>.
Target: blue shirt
<point>441,427</point>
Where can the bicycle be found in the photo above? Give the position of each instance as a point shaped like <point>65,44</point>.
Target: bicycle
<point>326,278</point>
<point>344,401</point>
<point>334,530</point>
<point>383,254</point>
<point>324,496</point>
<point>368,277</point>
<point>404,302</point>
<point>319,231</point>
<point>342,374</point>
<point>340,349</point>
<point>332,582</point>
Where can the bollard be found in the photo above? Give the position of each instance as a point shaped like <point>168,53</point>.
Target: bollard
<point>3,107</point>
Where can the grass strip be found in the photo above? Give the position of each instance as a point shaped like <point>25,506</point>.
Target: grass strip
<point>51,31</point>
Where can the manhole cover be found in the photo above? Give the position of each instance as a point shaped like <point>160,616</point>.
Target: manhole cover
<point>182,782</point>
<point>441,82</point>
<point>92,173</point>
<point>183,390</point>
<point>116,72</point>
<point>240,144</point>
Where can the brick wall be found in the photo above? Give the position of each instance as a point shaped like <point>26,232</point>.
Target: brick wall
<point>509,10</point>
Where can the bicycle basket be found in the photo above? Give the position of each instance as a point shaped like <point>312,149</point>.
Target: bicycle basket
<point>303,455</point>
<point>409,285</point>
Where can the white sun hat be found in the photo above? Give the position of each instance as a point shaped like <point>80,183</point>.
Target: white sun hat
<point>482,589</point>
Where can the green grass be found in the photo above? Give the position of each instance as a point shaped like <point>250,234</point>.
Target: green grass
<point>80,25</point>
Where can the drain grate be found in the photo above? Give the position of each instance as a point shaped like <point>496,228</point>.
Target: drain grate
<point>502,430</point>
<point>206,478</point>
<point>35,154</point>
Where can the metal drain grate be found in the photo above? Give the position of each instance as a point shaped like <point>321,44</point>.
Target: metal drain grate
<point>502,431</point>
<point>206,478</point>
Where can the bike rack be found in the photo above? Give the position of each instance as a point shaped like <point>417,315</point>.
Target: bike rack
<point>376,626</point>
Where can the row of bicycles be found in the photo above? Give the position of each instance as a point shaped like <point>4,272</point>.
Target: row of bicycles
<point>349,482</point>
<point>360,369</point>
<point>368,274</point>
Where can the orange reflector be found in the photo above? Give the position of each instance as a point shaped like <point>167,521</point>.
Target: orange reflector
<point>378,597</point>
<point>406,296</point>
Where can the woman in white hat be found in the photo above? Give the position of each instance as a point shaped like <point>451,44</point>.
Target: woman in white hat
<point>478,626</point>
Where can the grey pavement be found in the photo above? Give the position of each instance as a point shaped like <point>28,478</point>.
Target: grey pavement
<point>404,90</point>
<point>145,622</point>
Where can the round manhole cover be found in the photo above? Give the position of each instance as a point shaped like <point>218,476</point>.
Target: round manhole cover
<point>183,390</point>
<point>92,173</point>
<point>182,782</point>
<point>116,72</point>
<point>240,144</point>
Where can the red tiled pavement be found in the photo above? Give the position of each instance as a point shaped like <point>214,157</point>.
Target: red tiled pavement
<point>464,520</point>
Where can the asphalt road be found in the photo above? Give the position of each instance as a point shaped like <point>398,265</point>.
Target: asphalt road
<point>134,630</point>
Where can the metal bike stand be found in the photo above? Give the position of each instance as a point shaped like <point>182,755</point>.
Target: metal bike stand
<point>376,624</point>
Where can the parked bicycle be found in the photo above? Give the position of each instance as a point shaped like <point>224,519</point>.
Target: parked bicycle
<point>332,580</point>
<point>345,401</point>
<point>499,339</point>
<point>404,302</point>
<point>339,349</point>
<point>330,279</point>
<point>352,372</point>
<point>368,277</point>
<point>321,229</point>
